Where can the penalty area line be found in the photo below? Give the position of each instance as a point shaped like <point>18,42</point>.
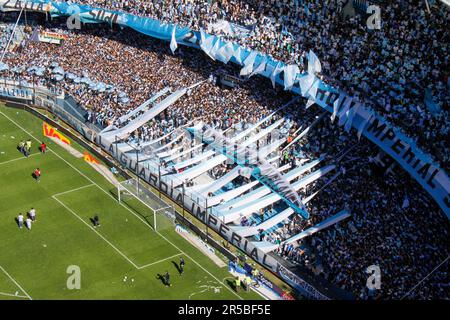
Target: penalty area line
<point>17,159</point>
<point>156,262</point>
<point>73,190</point>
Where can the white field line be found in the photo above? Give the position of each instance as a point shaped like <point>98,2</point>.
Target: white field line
<point>82,174</point>
<point>15,282</point>
<point>150,264</point>
<point>12,295</point>
<point>92,228</point>
<point>73,190</point>
<point>16,159</point>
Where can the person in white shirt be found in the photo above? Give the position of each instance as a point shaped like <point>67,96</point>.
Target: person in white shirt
<point>20,220</point>
<point>32,214</point>
<point>28,223</point>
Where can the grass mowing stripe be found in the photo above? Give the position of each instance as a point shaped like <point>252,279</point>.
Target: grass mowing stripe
<point>15,282</point>
<point>193,260</point>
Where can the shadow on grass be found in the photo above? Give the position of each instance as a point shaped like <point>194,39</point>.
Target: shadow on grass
<point>148,218</point>
<point>161,278</point>
<point>177,266</point>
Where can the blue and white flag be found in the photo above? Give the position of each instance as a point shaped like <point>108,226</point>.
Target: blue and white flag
<point>366,115</point>
<point>314,65</point>
<point>173,41</point>
<point>312,92</point>
<point>305,83</point>
<point>261,67</point>
<point>343,114</point>
<point>248,63</point>
<point>336,104</point>
<point>290,74</point>
<point>206,44</point>
<point>351,116</point>
<point>237,55</point>
<point>225,52</point>
<point>215,49</point>
<point>275,72</point>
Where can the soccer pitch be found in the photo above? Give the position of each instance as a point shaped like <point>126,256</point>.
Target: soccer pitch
<point>124,258</point>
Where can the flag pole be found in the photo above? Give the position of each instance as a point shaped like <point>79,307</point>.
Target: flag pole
<point>12,34</point>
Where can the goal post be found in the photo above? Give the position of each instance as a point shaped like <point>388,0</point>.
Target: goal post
<point>142,200</point>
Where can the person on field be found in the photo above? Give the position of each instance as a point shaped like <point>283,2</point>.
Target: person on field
<point>255,273</point>
<point>32,214</point>
<point>248,282</point>
<point>37,174</point>
<point>28,223</point>
<point>238,284</point>
<point>167,279</point>
<point>22,147</point>
<point>181,266</point>
<point>20,220</point>
<point>27,147</point>
<point>43,147</point>
<point>96,221</point>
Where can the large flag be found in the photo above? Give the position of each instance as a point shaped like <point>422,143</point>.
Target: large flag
<point>352,113</point>
<point>237,54</point>
<point>306,82</point>
<point>261,67</point>
<point>225,52</point>
<point>314,65</point>
<point>248,63</point>
<point>206,44</point>
<point>275,72</point>
<point>215,49</point>
<point>336,105</point>
<point>343,114</point>
<point>290,74</point>
<point>173,41</point>
<point>367,116</point>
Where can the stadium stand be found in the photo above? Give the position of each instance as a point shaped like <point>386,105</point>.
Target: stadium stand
<point>393,224</point>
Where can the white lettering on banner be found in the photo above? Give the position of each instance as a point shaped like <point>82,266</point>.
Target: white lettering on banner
<point>13,92</point>
<point>388,138</point>
<point>17,5</point>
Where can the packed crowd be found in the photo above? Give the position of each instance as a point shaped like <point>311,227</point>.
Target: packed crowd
<point>407,239</point>
<point>393,70</point>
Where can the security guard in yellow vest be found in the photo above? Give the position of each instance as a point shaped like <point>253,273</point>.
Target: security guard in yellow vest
<point>248,282</point>
<point>238,284</point>
<point>255,273</point>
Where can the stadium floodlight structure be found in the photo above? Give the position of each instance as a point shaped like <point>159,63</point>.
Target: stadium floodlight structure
<point>255,165</point>
<point>150,200</point>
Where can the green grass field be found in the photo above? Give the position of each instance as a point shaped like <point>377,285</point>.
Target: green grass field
<point>121,259</point>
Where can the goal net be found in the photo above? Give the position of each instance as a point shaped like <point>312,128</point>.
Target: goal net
<point>139,198</point>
